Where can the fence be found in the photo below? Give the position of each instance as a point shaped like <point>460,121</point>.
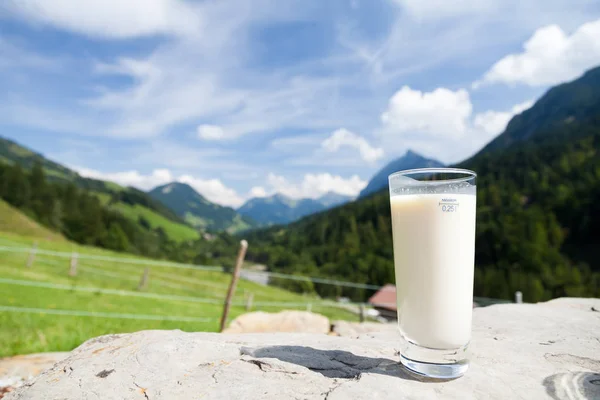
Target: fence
<point>156,272</point>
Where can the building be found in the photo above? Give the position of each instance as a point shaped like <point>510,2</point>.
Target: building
<point>384,301</point>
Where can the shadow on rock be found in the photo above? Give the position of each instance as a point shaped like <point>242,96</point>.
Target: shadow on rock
<point>332,363</point>
<point>573,385</point>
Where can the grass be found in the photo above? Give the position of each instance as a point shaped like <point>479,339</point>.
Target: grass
<point>194,220</point>
<point>238,225</point>
<point>21,286</point>
<point>115,187</point>
<point>103,197</point>
<point>12,220</point>
<point>175,231</point>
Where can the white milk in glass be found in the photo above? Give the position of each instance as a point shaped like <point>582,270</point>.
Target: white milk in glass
<point>434,251</point>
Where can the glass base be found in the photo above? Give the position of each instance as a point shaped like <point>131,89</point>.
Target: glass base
<point>434,363</point>
<point>436,371</point>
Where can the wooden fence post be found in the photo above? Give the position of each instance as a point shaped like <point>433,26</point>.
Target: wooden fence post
<point>73,268</point>
<point>144,280</point>
<point>249,301</point>
<point>362,313</point>
<point>234,278</point>
<point>31,257</point>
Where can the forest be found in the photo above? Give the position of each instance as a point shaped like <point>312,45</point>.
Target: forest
<point>538,225</point>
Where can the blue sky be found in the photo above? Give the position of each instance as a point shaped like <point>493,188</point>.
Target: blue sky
<point>247,98</point>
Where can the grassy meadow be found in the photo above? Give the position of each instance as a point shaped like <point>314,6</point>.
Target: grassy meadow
<point>176,296</point>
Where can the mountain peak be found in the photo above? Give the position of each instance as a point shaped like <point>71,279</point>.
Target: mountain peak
<point>410,160</point>
<point>331,199</point>
<point>178,187</point>
<point>281,197</point>
<point>411,153</point>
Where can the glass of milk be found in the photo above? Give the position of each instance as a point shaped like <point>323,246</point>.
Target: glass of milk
<point>433,225</point>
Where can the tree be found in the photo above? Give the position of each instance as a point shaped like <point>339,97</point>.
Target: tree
<point>115,238</point>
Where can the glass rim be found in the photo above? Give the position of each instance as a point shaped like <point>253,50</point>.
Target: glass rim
<point>407,172</point>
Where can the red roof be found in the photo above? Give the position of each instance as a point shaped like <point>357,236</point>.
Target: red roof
<point>385,298</point>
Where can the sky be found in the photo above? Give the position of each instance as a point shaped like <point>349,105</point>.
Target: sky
<point>243,99</point>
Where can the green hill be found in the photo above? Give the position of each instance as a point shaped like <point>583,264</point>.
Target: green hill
<point>80,215</point>
<point>131,202</point>
<point>538,212</point>
<point>198,211</point>
<point>14,221</point>
<point>12,152</point>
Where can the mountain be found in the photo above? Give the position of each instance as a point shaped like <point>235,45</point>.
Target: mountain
<point>538,213</point>
<point>561,105</point>
<point>332,199</point>
<point>199,212</point>
<point>132,203</point>
<point>410,160</point>
<point>279,209</point>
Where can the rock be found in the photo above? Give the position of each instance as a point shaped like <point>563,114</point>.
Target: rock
<point>284,321</point>
<point>522,351</point>
<point>353,329</point>
<point>15,371</point>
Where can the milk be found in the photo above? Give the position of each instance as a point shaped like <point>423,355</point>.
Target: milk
<point>434,255</point>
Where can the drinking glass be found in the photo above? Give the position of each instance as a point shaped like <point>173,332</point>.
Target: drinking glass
<point>433,225</point>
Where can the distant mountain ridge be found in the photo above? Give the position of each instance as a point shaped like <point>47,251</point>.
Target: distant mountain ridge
<point>332,199</point>
<point>197,211</point>
<point>279,209</point>
<point>410,160</point>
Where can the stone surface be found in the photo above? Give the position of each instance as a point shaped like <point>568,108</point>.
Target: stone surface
<point>14,371</point>
<point>355,329</point>
<point>522,351</point>
<point>284,321</point>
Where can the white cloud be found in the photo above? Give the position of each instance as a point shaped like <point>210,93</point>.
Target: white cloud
<point>129,67</point>
<point>204,77</point>
<point>440,113</point>
<point>258,191</point>
<point>316,185</point>
<point>494,122</point>
<point>440,123</point>
<point>111,18</point>
<point>210,132</point>
<point>550,56</point>
<point>311,186</point>
<point>130,178</point>
<point>343,137</point>
<point>213,189</point>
